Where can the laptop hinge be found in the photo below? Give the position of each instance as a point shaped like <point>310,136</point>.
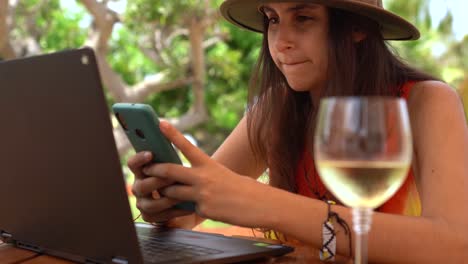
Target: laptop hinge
<point>89,261</point>
<point>28,246</point>
<point>5,237</point>
<point>119,260</point>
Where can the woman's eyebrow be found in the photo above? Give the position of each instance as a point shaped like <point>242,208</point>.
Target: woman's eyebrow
<point>266,8</point>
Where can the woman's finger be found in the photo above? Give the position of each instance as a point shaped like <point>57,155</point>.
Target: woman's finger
<point>138,160</point>
<point>191,152</point>
<point>145,187</point>
<point>171,173</point>
<point>179,192</point>
<point>152,206</point>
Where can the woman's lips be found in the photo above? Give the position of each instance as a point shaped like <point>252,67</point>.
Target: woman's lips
<point>293,65</point>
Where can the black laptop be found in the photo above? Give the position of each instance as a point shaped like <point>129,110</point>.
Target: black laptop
<point>62,191</point>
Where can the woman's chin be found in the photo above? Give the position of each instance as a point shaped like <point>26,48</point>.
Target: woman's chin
<point>299,87</point>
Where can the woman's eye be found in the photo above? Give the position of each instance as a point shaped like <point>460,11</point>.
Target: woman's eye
<point>303,18</point>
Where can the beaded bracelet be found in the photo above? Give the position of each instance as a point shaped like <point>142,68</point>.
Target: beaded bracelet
<point>328,250</point>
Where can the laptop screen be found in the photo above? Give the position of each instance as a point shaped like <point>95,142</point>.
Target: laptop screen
<point>62,183</point>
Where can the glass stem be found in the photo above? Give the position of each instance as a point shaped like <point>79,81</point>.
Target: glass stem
<point>362,220</point>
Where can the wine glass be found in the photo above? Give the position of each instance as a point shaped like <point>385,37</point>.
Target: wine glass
<point>363,150</point>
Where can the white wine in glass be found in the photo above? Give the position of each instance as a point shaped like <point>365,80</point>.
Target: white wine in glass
<point>363,150</point>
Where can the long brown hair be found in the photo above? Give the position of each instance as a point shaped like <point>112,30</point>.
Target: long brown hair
<point>280,120</point>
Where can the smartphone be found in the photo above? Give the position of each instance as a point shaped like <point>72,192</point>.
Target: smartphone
<point>141,125</point>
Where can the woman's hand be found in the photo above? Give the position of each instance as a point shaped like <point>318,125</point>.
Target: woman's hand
<point>152,206</point>
<point>218,192</point>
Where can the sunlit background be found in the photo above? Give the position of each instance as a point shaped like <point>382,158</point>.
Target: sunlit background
<point>438,10</point>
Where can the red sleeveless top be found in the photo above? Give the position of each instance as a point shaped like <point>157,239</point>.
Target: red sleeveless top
<point>405,202</point>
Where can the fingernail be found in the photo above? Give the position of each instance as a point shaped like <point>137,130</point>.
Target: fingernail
<point>155,195</point>
<point>147,155</point>
<point>164,125</point>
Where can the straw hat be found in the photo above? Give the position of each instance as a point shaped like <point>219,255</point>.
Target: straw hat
<point>246,14</point>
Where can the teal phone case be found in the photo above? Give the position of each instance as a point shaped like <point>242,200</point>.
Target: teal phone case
<point>141,125</point>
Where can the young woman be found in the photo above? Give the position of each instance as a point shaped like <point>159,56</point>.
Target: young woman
<point>313,49</point>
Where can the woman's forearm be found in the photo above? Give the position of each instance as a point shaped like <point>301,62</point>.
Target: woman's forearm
<point>392,239</point>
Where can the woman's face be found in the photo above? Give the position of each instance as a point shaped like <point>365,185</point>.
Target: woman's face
<point>297,40</point>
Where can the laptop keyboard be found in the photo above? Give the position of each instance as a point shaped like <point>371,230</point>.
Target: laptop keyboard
<point>157,250</point>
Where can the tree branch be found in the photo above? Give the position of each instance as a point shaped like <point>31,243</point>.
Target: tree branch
<point>103,24</point>
<point>157,45</point>
<point>212,18</point>
<point>189,120</point>
<point>111,80</point>
<point>31,18</point>
<point>161,41</point>
<point>154,85</point>
<point>176,33</point>
<point>214,40</point>
<point>98,11</point>
<point>196,36</point>
<point>6,49</point>
<point>121,140</point>
<point>104,20</point>
<point>163,47</point>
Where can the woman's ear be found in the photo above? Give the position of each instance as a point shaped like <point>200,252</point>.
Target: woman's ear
<point>358,35</point>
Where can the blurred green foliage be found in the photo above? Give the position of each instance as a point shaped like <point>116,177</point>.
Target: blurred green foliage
<point>437,51</point>
<point>229,63</point>
<point>53,27</point>
<point>422,53</point>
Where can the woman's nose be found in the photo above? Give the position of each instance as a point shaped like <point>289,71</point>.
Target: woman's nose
<point>284,39</point>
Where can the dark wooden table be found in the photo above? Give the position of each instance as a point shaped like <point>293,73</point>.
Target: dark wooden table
<point>302,253</point>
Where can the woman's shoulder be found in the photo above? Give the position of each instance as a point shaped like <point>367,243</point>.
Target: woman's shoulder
<point>433,95</point>
<point>434,103</point>
<point>424,91</point>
